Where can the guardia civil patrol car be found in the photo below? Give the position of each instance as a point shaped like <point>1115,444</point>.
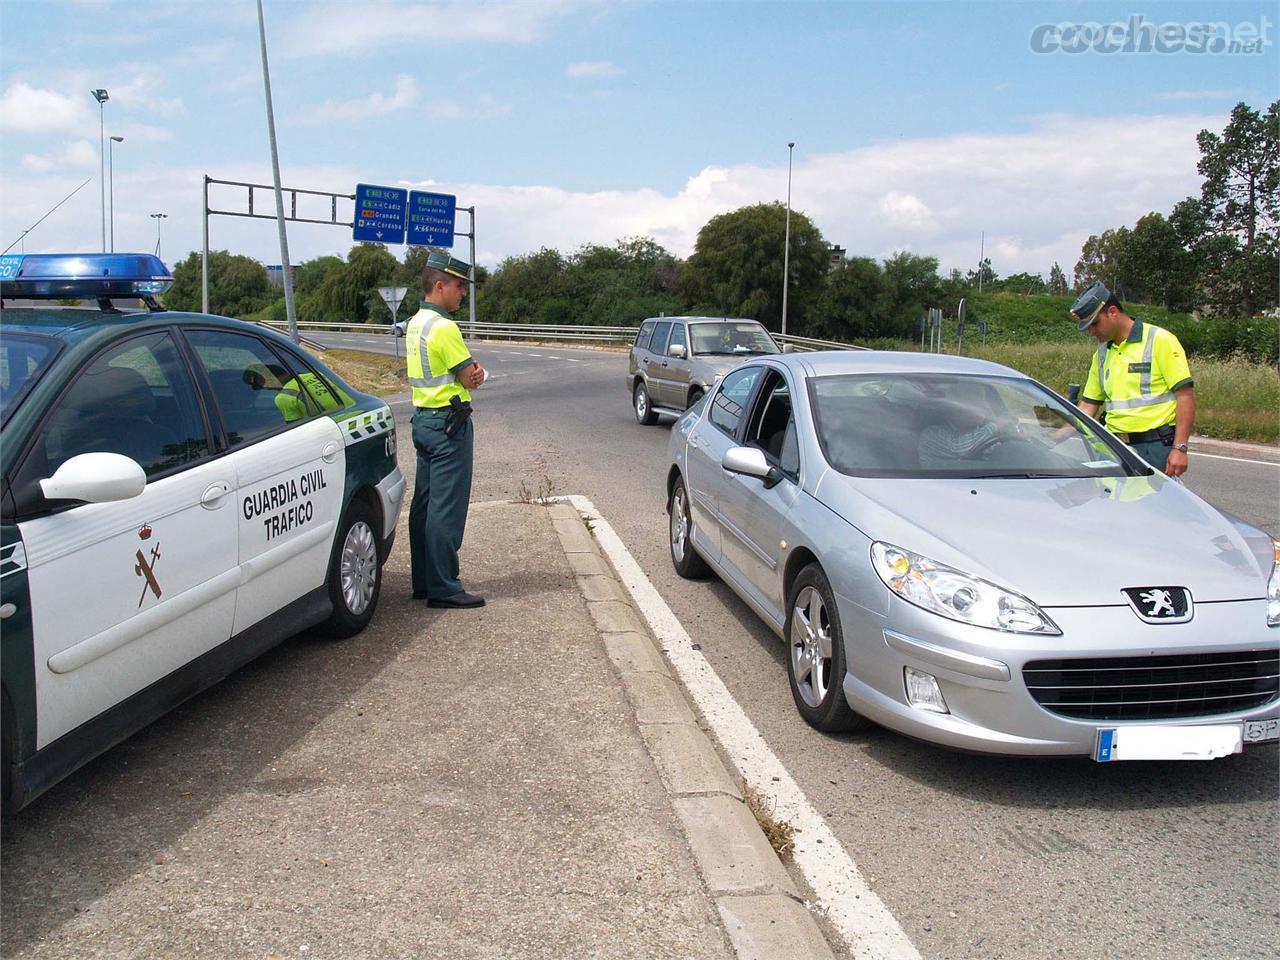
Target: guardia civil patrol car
<point>180,493</point>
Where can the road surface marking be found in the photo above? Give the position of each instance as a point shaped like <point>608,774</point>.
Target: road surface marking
<point>844,897</point>
<point>1218,456</point>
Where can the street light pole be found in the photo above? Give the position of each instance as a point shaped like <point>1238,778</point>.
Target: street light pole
<point>290,311</point>
<point>111,175</point>
<point>101,96</point>
<point>157,217</point>
<point>786,248</point>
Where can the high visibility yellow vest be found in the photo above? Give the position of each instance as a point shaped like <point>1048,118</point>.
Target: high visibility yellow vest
<point>1137,379</point>
<point>433,348</point>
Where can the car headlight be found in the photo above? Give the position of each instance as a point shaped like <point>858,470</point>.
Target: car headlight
<point>1273,588</point>
<point>955,594</point>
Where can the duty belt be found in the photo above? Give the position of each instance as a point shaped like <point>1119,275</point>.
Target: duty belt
<point>1145,435</point>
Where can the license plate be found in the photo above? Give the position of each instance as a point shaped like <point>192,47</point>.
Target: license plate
<point>1256,731</point>
<point>1166,742</point>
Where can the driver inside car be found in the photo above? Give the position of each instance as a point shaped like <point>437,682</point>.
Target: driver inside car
<point>970,424</point>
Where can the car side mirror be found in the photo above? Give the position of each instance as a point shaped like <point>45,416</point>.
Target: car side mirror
<point>751,462</point>
<point>95,478</point>
<point>676,350</point>
<point>788,348</point>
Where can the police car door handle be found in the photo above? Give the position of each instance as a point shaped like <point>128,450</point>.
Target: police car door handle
<point>7,611</point>
<point>330,451</point>
<point>214,493</point>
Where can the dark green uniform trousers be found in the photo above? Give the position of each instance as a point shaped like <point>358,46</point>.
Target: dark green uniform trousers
<point>438,512</point>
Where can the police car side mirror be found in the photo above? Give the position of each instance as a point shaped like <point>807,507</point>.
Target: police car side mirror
<point>95,478</point>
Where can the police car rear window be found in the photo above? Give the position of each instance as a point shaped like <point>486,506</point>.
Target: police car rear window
<point>23,360</point>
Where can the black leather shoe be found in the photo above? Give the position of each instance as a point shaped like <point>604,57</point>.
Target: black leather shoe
<point>461,600</point>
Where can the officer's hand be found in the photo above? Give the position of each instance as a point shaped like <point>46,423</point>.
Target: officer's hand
<point>1177,464</point>
<point>473,376</point>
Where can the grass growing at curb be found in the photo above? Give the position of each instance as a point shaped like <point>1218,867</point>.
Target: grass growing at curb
<point>1236,398</point>
<point>374,373</point>
<point>781,834</point>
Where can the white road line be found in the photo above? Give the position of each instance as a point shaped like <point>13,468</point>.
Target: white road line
<point>549,357</point>
<point>538,355</point>
<point>572,360</point>
<point>853,908</point>
<point>1216,456</point>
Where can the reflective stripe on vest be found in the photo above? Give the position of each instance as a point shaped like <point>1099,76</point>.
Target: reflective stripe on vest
<point>439,381</point>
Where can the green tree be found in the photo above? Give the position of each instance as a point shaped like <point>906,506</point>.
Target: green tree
<point>350,294</point>
<point>736,266</point>
<point>238,285</point>
<point>984,276</point>
<point>1027,283</point>
<point>911,285</point>
<point>852,304</point>
<point>1057,280</point>
<point>520,286</point>
<point>1240,205</point>
<point>1103,258</point>
<point>622,284</point>
<point>1162,271</point>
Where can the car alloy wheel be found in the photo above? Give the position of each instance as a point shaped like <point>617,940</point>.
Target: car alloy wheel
<point>359,567</point>
<point>645,413</point>
<point>684,558</point>
<point>811,660</point>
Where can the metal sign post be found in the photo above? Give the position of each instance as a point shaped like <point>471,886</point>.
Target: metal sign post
<point>960,328</point>
<point>393,297</point>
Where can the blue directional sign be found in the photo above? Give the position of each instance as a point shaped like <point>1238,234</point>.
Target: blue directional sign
<point>431,218</point>
<point>379,214</point>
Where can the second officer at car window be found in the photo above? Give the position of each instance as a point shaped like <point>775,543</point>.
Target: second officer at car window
<point>441,375</point>
<point>1140,373</point>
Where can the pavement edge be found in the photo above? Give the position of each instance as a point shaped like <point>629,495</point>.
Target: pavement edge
<point>762,911</point>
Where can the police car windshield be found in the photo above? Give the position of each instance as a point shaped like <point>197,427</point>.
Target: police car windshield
<point>956,426</point>
<point>730,339</point>
<point>23,360</point>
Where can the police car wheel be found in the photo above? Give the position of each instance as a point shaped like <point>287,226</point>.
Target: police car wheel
<point>815,654</point>
<point>645,413</point>
<point>355,573</point>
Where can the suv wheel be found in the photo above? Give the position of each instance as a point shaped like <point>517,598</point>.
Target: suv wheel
<point>645,413</point>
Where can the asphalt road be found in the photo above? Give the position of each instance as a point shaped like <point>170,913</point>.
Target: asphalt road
<point>975,856</point>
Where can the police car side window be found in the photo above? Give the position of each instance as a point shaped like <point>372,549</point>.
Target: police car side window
<point>731,398</point>
<point>256,394</point>
<point>136,399</point>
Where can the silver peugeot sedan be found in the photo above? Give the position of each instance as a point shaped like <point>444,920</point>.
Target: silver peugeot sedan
<point>951,550</point>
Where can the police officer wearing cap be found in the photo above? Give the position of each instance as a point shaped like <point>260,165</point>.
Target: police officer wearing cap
<point>1140,374</point>
<point>441,375</point>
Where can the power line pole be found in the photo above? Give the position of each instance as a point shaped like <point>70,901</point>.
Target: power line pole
<point>275,173</point>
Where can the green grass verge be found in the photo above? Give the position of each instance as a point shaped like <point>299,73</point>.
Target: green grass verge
<point>375,373</point>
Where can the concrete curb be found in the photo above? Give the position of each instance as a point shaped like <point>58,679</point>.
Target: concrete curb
<point>759,904</point>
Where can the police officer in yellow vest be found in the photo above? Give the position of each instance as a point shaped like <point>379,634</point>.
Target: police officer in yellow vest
<point>1140,374</point>
<point>440,370</point>
<point>293,406</point>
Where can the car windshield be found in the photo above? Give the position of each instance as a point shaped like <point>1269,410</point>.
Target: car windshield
<point>730,338</point>
<point>948,425</point>
<point>23,360</point>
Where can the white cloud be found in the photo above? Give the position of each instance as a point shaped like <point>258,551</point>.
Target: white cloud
<point>1035,193</point>
<point>593,68</point>
<point>353,27</point>
<point>77,153</point>
<point>483,107</point>
<point>374,105</point>
<point>141,92</point>
<point>27,109</point>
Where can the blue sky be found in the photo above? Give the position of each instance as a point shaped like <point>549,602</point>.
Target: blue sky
<point>917,125</point>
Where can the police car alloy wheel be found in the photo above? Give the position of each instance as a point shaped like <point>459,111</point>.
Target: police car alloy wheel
<point>354,575</point>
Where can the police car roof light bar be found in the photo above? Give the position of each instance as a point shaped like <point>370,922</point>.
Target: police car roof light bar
<point>84,276</point>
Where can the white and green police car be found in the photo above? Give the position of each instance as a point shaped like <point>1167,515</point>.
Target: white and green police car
<point>180,493</point>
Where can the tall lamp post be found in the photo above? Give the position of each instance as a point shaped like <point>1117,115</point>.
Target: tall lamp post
<point>111,176</point>
<point>102,98</point>
<point>786,247</point>
<point>157,217</point>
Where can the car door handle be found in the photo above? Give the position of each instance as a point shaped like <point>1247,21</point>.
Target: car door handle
<point>330,451</point>
<point>664,363</point>
<point>693,442</point>
<point>7,611</point>
<point>214,493</point>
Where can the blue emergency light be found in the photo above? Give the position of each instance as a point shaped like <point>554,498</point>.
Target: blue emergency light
<point>82,276</point>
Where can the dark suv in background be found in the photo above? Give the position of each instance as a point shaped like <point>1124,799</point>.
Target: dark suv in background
<point>675,360</point>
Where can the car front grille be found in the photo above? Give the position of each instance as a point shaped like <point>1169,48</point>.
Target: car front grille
<point>1155,688</point>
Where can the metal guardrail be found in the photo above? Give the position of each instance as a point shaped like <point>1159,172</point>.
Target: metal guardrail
<point>567,332</point>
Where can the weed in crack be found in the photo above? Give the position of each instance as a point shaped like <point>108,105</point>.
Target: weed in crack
<point>781,834</point>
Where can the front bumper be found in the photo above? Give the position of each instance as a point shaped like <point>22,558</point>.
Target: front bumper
<point>980,671</point>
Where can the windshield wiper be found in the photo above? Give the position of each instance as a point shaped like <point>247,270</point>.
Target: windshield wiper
<point>1026,475</point>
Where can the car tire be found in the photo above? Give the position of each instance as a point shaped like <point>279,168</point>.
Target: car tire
<point>684,557</point>
<point>642,405</point>
<point>355,572</point>
<point>816,656</point>
<point>694,396</point>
